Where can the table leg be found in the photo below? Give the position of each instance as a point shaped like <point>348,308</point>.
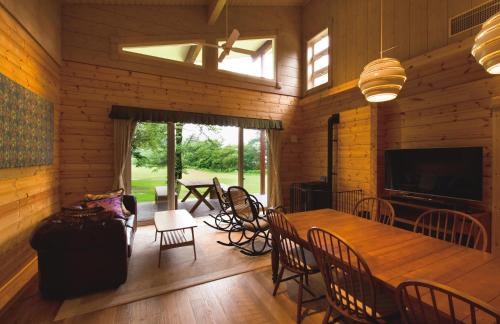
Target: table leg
<point>201,198</point>
<point>194,245</point>
<point>186,196</point>
<point>275,260</point>
<point>161,245</point>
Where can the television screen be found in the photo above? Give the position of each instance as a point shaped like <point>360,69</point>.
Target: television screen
<point>449,172</point>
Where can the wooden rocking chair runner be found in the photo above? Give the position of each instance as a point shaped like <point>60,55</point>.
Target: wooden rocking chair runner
<point>293,257</point>
<point>350,288</point>
<point>223,220</point>
<point>376,209</point>
<point>452,226</point>
<point>422,301</point>
<point>249,223</point>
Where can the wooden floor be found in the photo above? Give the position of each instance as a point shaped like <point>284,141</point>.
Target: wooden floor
<point>244,298</point>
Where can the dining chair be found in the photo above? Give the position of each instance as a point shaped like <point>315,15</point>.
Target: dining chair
<point>293,256</point>
<point>423,301</point>
<point>376,209</point>
<point>350,287</point>
<point>249,223</point>
<point>452,226</point>
<point>223,220</point>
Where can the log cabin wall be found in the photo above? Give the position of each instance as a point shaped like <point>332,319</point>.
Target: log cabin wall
<point>93,79</point>
<point>29,194</point>
<point>91,34</point>
<point>413,26</point>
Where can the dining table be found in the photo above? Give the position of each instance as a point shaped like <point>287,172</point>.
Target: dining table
<point>395,255</point>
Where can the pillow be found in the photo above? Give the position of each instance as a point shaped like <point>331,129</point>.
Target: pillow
<point>111,194</point>
<point>112,204</point>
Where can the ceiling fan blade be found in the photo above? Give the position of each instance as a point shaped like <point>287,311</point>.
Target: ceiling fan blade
<point>243,51</point>
<point>222,55</point>
<point>232,38</point>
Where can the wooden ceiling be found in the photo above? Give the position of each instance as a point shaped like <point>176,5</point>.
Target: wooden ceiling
<point>190,2</point>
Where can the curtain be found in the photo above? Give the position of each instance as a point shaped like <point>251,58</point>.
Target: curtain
<point>274,197</point>
<point>123,130</point>
<point>171,116</point>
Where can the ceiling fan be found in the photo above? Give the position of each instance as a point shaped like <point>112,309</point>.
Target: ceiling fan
<point>230,40</point>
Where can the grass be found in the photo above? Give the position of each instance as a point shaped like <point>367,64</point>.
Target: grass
<point>144,180</point>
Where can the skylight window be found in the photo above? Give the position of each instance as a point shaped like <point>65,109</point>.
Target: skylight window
<point>318,60</point>
<point>260,65</point>
<point>188,53</point>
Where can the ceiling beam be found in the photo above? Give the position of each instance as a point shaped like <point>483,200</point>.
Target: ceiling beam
<point>214,10</point>
<point>192,53</point>
<point>263,49</point>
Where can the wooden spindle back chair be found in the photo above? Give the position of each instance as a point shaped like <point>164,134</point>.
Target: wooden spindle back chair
<point>422,301</point>
<point>293,256</point>
<point>350,286</point>
<point>452,226</point>
<point>376,209</point>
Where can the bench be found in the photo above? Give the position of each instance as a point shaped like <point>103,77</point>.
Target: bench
<point>162,196</point>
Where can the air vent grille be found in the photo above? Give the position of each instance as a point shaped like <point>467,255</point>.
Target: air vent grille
<point>474,17</point>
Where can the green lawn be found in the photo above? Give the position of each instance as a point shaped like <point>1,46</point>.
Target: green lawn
<point>144,180</point>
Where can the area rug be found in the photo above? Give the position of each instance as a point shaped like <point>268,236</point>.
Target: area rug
<point>178,269</point>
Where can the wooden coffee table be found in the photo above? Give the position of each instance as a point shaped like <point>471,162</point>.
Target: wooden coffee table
<point>171,225</point>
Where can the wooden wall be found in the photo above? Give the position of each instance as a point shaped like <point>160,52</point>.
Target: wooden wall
<point>26,194</point>
<point>444,103</point>
<point>91,34</point>
<point>89,91</point>
<point>42,20</point>
<point>413,26</point>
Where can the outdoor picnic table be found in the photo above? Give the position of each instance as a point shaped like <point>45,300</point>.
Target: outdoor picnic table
<point>194,187</point>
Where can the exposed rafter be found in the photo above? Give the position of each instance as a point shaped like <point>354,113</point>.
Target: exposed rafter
<point>192,53</point>
<point>263,49</point>
<point>214,10</point>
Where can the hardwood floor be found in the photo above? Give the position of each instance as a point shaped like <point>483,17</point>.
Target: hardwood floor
<point>244,298</point>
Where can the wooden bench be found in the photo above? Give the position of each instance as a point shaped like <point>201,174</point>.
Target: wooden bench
<point>162,196</point>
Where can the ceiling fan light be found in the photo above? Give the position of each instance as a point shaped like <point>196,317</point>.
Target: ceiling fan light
<point>486,49</point>
<point>382,79</point>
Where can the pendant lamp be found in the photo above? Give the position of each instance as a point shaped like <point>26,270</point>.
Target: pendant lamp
<point>383,78</point>
<point>486,47</point>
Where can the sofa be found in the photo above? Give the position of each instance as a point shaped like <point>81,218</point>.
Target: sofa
<point>84,251</point>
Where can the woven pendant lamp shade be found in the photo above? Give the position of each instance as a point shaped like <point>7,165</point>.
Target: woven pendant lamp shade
<point>486,47</point>
<point>382,79</point>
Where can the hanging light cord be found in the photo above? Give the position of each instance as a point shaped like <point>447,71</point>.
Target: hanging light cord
<point>381,28</point>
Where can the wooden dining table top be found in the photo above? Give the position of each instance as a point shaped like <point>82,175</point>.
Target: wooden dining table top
<point>394,255</point>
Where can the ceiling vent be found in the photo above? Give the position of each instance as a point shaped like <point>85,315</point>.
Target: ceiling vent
<point>473,18</point>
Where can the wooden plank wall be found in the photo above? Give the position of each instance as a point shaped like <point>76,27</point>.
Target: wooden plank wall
<point>355,142</point>
<point>91,34</point>
<point>444,103</point>
<point>26,194</point>
<point>413,26</point>
<point>89,91</point>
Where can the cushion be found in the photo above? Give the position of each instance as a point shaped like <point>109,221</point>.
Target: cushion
<point>112,204</point>
<point>111,194</point>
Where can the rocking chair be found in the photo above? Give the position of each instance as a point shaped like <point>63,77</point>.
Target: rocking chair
<point>249,223</point>
<point>223,220</point>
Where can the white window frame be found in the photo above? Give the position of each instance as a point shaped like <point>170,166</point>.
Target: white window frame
<point>312,58</point>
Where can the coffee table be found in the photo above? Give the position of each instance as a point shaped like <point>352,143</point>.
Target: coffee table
<point>172,226</point>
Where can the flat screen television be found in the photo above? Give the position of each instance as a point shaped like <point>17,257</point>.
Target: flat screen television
<point>446,172</point>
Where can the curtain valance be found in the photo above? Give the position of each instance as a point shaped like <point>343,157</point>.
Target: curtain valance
<point>171,116</point>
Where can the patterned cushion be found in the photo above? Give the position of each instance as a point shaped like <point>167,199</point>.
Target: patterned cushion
<point>112,204</point>
<point>111,194</point>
